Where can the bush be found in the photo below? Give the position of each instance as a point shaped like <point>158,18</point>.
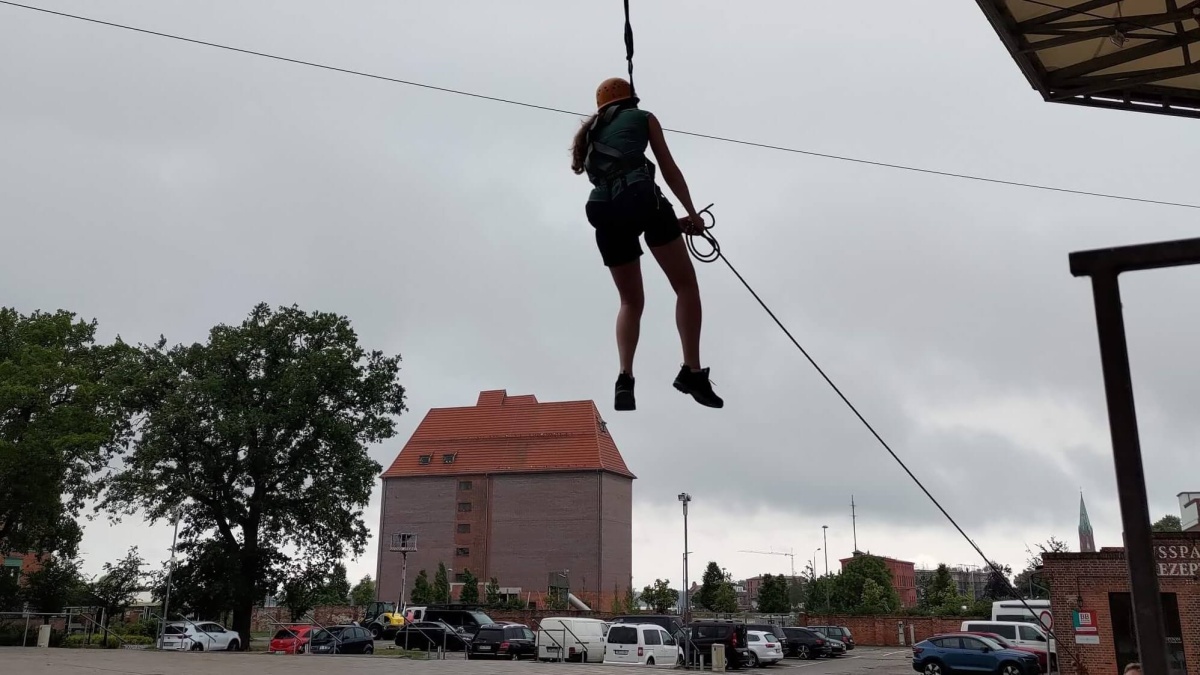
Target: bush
<point>11,635</point>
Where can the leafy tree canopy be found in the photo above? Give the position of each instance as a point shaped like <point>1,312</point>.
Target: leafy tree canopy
<point>60,420</point>
<point>363,592</point>
<point>660,596</point>
<point>262,432</point>
<point>711,584</point>
<point>470,589</point>
<point>1168,523</point>
<point>422,593</point>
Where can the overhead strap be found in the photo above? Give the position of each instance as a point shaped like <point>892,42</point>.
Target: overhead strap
<point>629,48</point>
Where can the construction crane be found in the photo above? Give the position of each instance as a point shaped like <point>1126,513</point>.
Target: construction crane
<point>790,555</point>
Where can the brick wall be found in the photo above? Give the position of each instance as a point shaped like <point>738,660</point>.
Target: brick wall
<point>267,619</point>
<point>1087,580</point>
<point>883,631</point>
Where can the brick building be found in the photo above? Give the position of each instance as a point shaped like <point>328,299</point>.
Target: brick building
<point>513,489</point>
<point>19,564</point>
<point>1097,585</point>
<point>904,577</point>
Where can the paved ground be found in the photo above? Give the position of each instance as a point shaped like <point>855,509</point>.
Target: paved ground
<point>29,661</point>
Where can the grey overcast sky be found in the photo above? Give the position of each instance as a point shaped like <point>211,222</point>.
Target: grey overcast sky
<point>163,187</point>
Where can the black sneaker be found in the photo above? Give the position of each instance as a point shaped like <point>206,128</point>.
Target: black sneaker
<point>624,398</point>
<point>697,385</point>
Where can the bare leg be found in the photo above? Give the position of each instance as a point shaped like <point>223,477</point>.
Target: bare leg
<point>628,278</point>
<point>675,262</point>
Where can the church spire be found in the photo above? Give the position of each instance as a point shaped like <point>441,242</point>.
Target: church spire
<point>1087,544</point>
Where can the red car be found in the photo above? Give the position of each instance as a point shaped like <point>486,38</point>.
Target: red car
<point>291,640</point>
<point>1004,642</point>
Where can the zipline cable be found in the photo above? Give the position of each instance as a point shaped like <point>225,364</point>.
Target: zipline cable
<point>714,254</point>
<point>724,139</point>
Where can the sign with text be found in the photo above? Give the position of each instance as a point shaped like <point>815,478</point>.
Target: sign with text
<point>1177,560</point>
<point>1086,630</point>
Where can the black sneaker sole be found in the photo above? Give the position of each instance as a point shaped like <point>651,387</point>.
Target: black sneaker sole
<point>699,398</point>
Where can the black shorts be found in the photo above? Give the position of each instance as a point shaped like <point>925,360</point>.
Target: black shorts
<point>640,209</point>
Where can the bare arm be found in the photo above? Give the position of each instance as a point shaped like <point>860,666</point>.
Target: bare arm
<point>670,170</point>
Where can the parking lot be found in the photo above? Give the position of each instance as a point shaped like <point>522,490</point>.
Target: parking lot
<point>28,661</point>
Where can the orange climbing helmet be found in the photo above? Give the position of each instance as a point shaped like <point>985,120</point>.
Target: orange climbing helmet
<point>613,90</point>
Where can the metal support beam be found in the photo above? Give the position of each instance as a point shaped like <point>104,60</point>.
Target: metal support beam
<point>1104,266</point>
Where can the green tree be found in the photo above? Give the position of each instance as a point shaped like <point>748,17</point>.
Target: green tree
<point>941,592</point>
<point>874,599</point>
<point>632,601</point>
<point>58,583</point>
<point>818,594</point>
<point>773,595</point>
<point>847,586</point>
<point>263,430</point>
<point>998,587</point>
<point>363,592</point>
<point>202,583</point>
<point>492,592</point>
<point>422,593</point>
<point>334,588</point>
<point>470,590</point>
<point>1031,582</point>
<point>303,589</point>
<point>441,585</point>
<point>61,419</point>
<point>706,597</point>
<point>10,591</point>
<point>1168,523</point>
<point>725,601</point>
<point>660,596</point>
<point>795,593</point>
<point>116,589</point>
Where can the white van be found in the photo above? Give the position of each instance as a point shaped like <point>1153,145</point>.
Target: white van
<point>640,643</point>
<point>1020,633</point>
<point>570,638</point>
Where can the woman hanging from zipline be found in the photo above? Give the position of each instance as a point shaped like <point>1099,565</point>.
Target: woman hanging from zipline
<point>625,203</point>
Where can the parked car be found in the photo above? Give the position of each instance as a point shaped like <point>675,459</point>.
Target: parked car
<point>431,635</point>
<point>954,653</point>
<point>1019,633</point>
<point>469,620</point>
<point>702,635</point>
<point>671,623</point>
<point>771,628</point>
<point>839,633</point>
<point>641,643</point>
<point>804,643</point>
<point>764,648</point>
<point>203,636</point>
<point>1008,644</point>
<point>342,639</point>
<point>836,647</point>
<point>290,639</point>
<point>572,638</point>
<point>502,641</point>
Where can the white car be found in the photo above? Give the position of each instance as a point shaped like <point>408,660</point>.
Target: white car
<point>199,636</point>
<point>764,648</point>
<point>640,643</point>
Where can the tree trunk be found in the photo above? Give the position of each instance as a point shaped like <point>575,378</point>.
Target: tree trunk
<point>242,615</point>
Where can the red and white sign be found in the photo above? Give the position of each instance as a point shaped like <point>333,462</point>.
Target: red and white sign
<point>1047,619</point>
<point>1086,623</point>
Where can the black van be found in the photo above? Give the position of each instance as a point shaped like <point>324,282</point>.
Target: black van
<point>702,635</point>
<point>466,620</point>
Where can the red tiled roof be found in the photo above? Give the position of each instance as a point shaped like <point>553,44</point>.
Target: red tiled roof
<point>510,434</point>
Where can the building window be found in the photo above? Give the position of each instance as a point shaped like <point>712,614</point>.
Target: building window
<point>464,485</point>
<point>462,551</point>
<point>425,459</point>
<point>447,458</point>
<point>464,507</point>
<point>459,577</point>
<point>464,528</point>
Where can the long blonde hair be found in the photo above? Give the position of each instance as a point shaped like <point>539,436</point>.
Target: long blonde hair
<point>579,147</point>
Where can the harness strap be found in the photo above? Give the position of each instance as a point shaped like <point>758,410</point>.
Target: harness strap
<point>629,48</point>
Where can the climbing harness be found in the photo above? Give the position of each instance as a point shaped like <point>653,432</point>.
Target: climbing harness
<point>607,163</point>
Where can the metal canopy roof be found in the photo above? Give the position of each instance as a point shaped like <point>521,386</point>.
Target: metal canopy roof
<point>1141,55</point>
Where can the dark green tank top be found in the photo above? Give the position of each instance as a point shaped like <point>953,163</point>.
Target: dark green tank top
<point>629,134</point>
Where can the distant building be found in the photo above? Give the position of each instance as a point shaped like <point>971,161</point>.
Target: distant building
<point>17,565</point>
<point>904,577</point>
<point>529,493</point>
<point>1087,542</point>
<point>970,580</point>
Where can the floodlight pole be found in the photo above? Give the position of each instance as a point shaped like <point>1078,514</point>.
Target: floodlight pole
<point>1104,266</point>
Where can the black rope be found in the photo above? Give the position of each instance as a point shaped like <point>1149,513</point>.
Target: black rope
<point>629,49</point>
<point>713,254</point>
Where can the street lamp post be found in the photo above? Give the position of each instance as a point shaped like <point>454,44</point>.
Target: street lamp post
<point>825,544</point>
<point>814,565</point>
<point>684,498</point>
